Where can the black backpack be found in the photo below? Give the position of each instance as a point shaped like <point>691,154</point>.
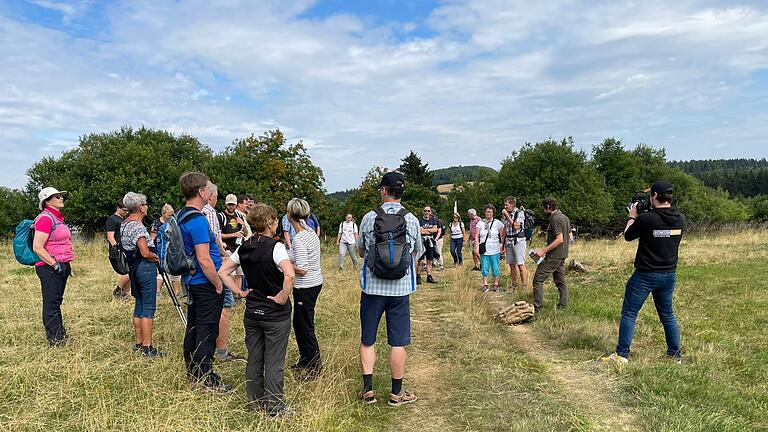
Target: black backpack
<point>390,256</point>
<point>529,223</point>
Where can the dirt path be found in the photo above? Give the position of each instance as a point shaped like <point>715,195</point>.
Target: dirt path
<point>588,385</point>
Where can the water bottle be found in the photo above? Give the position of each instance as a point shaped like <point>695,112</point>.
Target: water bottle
<point>536,258</point>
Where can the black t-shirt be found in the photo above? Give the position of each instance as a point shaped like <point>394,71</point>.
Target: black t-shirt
<point>230,225</point>
<point>660,232</point>
<point>265,278</point>
<point>428,223</point>
<point>113,225</point>
<point>441,227</point>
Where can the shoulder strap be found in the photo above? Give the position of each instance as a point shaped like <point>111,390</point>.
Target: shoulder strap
<point>186,215</point>
<point>53,220</point>
<point>403,212</point>
<point>488,227</point>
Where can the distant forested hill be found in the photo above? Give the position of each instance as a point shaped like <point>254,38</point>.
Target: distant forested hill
<point>740,177</point>
<point>466,173</point>
<point>341,196</point>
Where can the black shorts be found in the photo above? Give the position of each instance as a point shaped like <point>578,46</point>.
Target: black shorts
<point>398,310</point>
<point>429,253</point>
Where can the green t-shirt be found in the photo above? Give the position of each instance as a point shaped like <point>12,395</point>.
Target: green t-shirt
<point>559,224</point>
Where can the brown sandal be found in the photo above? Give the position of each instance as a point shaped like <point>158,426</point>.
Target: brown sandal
<point>403,398</point>
<point>368,398</point>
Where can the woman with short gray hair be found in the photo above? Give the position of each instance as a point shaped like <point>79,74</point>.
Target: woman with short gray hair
<point>305,257</point>
<point>142,261</point>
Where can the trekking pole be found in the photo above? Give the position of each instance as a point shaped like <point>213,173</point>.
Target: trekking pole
<point>176,304</point>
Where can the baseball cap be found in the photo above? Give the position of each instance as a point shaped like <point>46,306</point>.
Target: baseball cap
<point>47,193</point>
<point>230,199</point>
<point>662,187</point>
<point>393,179</point>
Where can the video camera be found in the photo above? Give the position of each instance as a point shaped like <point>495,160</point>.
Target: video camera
<point>643,200</point>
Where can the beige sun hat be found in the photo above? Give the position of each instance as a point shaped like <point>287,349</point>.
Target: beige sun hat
<point>47,193</point>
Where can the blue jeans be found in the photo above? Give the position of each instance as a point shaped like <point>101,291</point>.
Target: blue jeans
<point>661,285</point>
<point>144,289</point>
<point>456,245</point>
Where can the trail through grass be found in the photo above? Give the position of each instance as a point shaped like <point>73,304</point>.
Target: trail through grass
<point>469,372</point>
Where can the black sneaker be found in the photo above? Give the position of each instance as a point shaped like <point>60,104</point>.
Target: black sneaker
<point>418,279</point>
<point>137,348</point>
<point>151,352</point>
<point>214,384</point>
<point>430,279</point>
<point>118,293</point>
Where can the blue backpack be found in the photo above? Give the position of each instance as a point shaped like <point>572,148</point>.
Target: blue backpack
<point>22,241</point>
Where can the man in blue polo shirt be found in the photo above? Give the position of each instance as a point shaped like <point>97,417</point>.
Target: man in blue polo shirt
<point>204,286</point>
<point>384,295</point>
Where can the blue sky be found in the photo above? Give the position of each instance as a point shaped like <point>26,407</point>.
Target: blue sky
<point>364,82</point>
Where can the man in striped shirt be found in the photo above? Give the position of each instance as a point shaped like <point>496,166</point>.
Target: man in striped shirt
<point>388,296</point>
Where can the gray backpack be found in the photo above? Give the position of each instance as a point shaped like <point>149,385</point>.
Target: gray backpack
<point>173,258</point>
<point>390,255</point>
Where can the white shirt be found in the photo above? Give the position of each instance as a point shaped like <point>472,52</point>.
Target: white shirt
<point>348,231</point>
<point>456,230</point>
<point>492,245</point>
<point>305,252</point>
<point>279,254</point>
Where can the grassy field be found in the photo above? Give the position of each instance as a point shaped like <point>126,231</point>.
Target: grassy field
<point>470,373</point>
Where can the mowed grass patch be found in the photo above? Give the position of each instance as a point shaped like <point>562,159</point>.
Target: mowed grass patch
<point>721,302</point>
<point>97,383</point>
<point>487,384</point>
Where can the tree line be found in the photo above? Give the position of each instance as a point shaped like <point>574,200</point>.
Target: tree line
<point>593,189</point>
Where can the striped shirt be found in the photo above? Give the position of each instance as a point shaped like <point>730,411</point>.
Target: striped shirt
<point>305,252</point>
<point>213,220</point>
<point>389,287</point>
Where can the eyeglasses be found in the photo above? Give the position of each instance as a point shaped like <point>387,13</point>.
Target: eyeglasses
<point>58,195</point>
<point>427,211</point>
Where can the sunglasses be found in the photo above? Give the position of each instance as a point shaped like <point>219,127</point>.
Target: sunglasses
<point>427,211</point>
<point>58,195</point>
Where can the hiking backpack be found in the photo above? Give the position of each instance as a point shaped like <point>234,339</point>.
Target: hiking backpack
<point>117,257</point>
<point>173,258</point>
<point>529,223</point>
<point>22,241</point>
<point>390,255</point>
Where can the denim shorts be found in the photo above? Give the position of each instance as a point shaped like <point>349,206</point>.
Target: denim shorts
<point>144,289</point>
<point>398,312</point>
<point>229,298</point>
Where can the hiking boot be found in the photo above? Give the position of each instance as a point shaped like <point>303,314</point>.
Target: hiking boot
<point>151,352</point>
<point>368,398</point>
<point>430,279</point>
<point>616,360</point>
<point>403,398</point>
<point>418,279</point>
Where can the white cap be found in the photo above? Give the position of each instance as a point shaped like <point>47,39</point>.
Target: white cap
<point>230,199</point>
<point>47,193</point>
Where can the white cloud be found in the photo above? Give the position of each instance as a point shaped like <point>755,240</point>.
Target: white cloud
<point>493,75</point>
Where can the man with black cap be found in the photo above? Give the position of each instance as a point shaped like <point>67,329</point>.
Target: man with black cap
<point>389,242</point>
<point>659,231</point>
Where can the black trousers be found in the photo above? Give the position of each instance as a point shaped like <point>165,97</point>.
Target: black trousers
<point>265,372</point>
<point>202,329</point>
<point>53,284</point>
<point>304,300</point>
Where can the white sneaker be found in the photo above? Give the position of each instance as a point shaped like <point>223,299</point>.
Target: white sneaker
<point>616,360</point>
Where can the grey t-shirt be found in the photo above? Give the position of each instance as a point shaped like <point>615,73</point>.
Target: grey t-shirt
<point>131,232</point>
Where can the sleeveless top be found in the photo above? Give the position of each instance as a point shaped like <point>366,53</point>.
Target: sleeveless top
<point>264,277</point>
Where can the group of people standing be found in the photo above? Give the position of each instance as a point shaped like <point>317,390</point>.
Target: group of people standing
<point>240,252</point>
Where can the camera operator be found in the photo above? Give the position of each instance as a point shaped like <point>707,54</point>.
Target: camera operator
<point>660,231</point>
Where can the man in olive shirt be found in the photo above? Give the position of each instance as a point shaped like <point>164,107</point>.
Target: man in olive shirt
<point>554,255</point>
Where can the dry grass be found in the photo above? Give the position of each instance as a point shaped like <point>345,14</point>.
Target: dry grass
<point>470,373</point>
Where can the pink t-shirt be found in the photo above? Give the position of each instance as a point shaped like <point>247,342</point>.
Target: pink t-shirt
<point>59,243</point>
<point>473,226</point>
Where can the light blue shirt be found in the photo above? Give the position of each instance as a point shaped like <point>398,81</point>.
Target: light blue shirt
<point>373,285</point>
